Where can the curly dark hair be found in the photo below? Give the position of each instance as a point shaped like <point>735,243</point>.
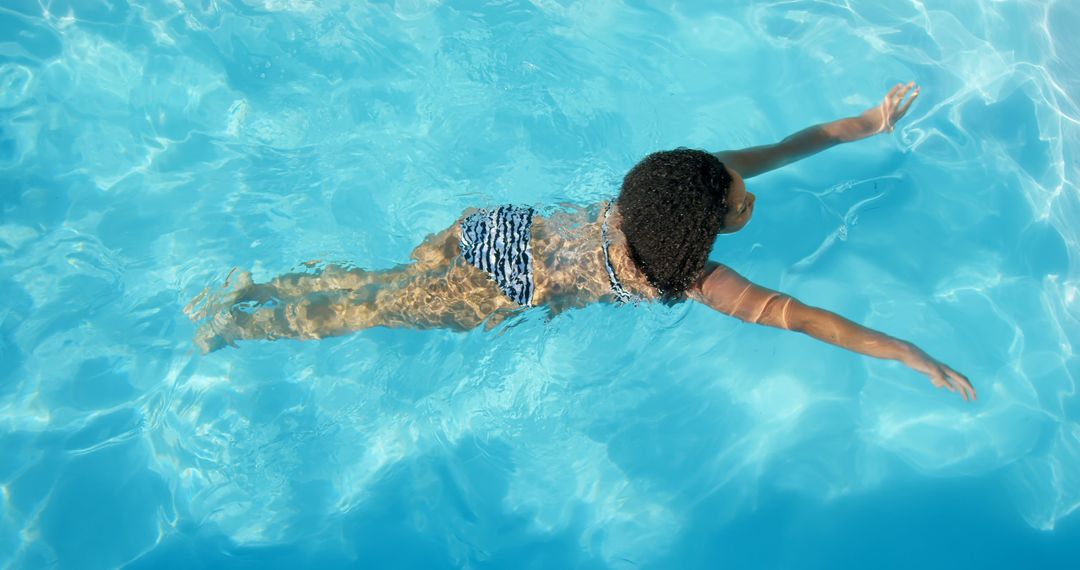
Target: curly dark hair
<point>673,205</point>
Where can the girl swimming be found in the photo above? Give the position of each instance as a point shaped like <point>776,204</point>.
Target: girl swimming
<point>650,244</point>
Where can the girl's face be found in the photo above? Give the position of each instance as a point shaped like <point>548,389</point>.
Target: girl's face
<point>740,204</point>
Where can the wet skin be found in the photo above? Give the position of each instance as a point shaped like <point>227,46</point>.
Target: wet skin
<point>439,289</point>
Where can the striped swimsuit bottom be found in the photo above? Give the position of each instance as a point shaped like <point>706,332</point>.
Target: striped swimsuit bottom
<point>497,242</point>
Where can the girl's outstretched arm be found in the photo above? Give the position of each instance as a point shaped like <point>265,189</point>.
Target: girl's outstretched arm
<point>881,118</point>
<point>732,294</point>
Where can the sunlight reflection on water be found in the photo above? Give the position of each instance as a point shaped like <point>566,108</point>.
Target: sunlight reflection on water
<point>146,150</point>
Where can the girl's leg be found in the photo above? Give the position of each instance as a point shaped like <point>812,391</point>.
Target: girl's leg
<point>458,297</point>
<point>317,314</point>
<point>438,290</point>
<point>329,278</point>
<point>291,306</point>
<point>433,254</point>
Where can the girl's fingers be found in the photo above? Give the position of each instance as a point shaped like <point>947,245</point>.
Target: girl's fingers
<point>954,374</point>
<point>944,376</point>
<point>893,91</point>
<point>964,383</point>
<point>963,392</point>
<point>943,381</point>
<point>941,376</point>
<point>954,386</point>
<point>898,90</point>
<point>960,382</point>
<point>903,110</point>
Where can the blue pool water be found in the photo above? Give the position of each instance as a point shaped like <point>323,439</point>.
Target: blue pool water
<point>146,149</point>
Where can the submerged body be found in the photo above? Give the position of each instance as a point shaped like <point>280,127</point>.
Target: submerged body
<point>650,244</point>
<point>440,289</point>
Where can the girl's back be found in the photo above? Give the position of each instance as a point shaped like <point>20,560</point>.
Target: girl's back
<point>569,270</point>
<point>569,259</point>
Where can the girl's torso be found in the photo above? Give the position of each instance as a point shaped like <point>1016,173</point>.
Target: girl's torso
<point>569,265</point>
<point>568,270</point>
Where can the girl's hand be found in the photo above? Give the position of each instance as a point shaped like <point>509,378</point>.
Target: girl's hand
<point>941,376</point>
<point>884,117</point>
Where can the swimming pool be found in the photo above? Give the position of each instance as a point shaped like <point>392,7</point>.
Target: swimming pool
<point>145,150</point>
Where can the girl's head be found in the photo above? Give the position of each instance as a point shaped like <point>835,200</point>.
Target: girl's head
<point>673,204</point>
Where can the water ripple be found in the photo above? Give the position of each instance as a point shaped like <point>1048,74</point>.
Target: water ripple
<point>147,150</point>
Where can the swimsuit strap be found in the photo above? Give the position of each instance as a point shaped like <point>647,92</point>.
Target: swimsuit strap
<point>621,294</point>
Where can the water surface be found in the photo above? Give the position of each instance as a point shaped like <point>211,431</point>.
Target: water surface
<point>145,150</point>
